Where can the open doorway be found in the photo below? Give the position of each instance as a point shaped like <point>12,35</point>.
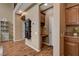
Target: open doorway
<point>46,14</point>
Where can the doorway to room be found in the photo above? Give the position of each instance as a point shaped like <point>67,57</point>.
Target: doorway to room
<point>46,14</point>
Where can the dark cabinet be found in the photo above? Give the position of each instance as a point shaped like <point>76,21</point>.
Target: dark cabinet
<point>72,16</point>
<point>71,43</point>
<point>71,48</point>
<point>68,5</point>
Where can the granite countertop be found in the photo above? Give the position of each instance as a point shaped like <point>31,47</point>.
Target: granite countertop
<point>70,36</point>
<point>74,39</point>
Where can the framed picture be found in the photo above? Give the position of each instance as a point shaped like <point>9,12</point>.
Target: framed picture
<point>28,28</point>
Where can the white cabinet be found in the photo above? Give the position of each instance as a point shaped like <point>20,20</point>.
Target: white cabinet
<point>5,36</point>
<point>4,29</point>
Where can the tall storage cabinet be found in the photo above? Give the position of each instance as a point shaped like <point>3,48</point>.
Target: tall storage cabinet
<point>4,29</point>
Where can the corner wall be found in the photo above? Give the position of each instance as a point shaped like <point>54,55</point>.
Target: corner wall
<point>33,15</point>
<point>56,29</point>
<point>18,28</point>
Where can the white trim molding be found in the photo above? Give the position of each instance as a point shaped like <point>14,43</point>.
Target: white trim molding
<point>32,47</point>
<point>19,40</point>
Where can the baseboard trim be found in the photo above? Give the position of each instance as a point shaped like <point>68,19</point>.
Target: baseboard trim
<point>46,43</point>
<point>33,47</point>
<point>19,40</point>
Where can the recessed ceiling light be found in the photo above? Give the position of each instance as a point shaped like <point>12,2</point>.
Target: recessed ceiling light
<point>20,12</point>
<point>45,4</point>
<point>23,13</point>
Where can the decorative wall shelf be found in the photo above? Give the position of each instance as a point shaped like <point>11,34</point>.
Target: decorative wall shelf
<point>4,29</point>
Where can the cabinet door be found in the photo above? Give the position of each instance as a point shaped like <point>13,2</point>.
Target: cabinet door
<point>72,15</point>
<point>78,16</point>
<point>71,49</point>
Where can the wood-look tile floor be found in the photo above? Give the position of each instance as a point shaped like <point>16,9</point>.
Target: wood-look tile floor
<point>20,49</point>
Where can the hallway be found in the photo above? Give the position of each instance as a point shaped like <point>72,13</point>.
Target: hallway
<point>20,49</point>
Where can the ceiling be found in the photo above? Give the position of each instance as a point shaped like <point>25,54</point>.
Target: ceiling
<point>26,6</point>
<point>44,7</point>
<point>23,6</point>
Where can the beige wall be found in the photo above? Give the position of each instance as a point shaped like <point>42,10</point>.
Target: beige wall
<point>6,10</point>
<point>18,28</point>
<point>33,14</point>
<point>56,29</point>
<point>48,24</point>
<point>53,21</point>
